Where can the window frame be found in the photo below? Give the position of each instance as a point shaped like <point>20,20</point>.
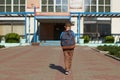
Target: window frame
<point>12,5</point>
<point>89,5</point>
<point>55,5</point>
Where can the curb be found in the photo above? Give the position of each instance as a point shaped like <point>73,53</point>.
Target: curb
<point>114,57</point>
<point>95,49</point>
<point>106,53</point>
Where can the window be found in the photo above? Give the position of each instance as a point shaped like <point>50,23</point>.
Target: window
<point>93,8</point>
<point>104,6</point>
<point>87,2</point>
<point>107,2</point>
<point>22,1</point>
<point>50,5</point>
<point>2,1</point>
<point>2,8</point>
<point>97,5</point>
<point>107,8</point>
<point>87,8</point>
<point>12,5</point>
<point>54,5</point>
<point>101,8</point>
<point>58,1</point>
<point>101,2</point>
<point>93,2</point>
<point>64,6</point>
<point>2,5</point>
<point>58,6</point>
<point>22,5</point>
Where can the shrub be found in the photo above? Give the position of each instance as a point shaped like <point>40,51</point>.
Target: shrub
<point>109,39</point>
<point>103,48</point>
<point>113,50</point>
<point>86,38</point>
<point>0,38</point>
<point>2,46</point>
<point>12,38</point>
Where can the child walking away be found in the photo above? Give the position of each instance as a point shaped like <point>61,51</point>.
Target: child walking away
<point>68,44</point>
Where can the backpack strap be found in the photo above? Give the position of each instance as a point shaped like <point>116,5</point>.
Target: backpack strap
<point>69,31</point>
<point>61,35</point>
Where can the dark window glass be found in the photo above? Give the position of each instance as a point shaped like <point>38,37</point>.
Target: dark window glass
<point>93,1</point>
<point>107,2</point>
<point>22,8</point>
<point>44,8</point>
<point>16,1</point>
<point>101,8</point>
<point>44,1</point>
<point>90,28</point>
<point>93,8</point>
<point>87,8</point>
<point>2,1</point>
<point>2,8</point>
<point>50,2</point>
<point>8,2</point>
<point>58,8</point>
<point>101,1</point>
<point>22,1</point>
<point>8,8</point>
<point>50,9</point>
<point>15,9</point>
<point>107,8</point>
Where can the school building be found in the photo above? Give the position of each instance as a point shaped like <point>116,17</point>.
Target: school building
<point>40,20</point>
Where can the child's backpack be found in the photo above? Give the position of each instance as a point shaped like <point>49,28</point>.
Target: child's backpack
<point>68,39</point>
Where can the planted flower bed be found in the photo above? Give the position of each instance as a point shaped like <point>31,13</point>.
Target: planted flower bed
<point>113,50</point>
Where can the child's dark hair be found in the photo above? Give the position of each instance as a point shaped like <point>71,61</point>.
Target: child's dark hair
<point>68,24</point>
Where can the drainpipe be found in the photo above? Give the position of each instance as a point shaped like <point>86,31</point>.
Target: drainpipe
<point>78,28</point>
<point>12,27</point>
<point>35,36</point>
<point>25,28</point>
<point>29,29</point>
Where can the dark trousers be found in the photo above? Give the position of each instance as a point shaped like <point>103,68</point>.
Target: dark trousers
<point>68,54</point>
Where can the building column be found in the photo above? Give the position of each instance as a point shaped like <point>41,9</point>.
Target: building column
<point>29,29</point>
<point>35,30</point>
<point>35,26</point>
<point>78,28</point>
<point>25,27</point>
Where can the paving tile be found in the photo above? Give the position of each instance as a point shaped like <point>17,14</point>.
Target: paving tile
<point>47,63</point>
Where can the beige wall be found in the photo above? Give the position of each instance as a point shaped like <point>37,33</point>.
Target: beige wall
<point>115,21</point>
<point>31,4</point>
<point>4,29</point>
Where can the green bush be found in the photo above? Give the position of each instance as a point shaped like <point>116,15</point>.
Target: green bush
<point>109,39</point>
<point>113,50</point>
<point>0,38</point>
<point>86,38</point>
<point>103,48</point>
<point>12,38</point>
<point>2,46</point>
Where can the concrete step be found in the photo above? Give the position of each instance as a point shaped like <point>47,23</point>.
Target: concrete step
<point>96,41</point>
<point>50,43</point>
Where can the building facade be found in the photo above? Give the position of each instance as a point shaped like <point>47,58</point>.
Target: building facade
<point>44,19</point>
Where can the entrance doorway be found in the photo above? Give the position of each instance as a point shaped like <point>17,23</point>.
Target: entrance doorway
<point>51,31</point>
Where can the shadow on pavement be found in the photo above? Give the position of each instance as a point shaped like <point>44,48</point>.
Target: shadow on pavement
<point>57,67</point>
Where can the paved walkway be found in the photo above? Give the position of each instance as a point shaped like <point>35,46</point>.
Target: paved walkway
<point>46,63</point>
